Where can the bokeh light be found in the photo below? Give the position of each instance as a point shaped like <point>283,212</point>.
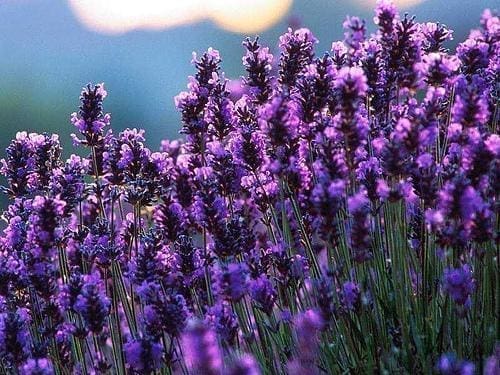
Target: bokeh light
<point>120,16</point>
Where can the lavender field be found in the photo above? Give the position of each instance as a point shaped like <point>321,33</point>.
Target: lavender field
<point>335,213</point>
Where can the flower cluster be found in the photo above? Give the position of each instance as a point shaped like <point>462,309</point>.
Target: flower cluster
<point>334,214</point>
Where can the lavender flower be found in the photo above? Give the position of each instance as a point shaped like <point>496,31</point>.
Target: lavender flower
<point>308,325</point>
<point>13,273</point>
<point>145,265</point>
<point>438,69</point>
<point>192,103</point>
<point>258,64</point>
<point>98,244</point>
<point>448,364</point>
<point>462,205</point>
<point>424,178</point>
<point>234,238</point>
<point>47,152</point>
<point>143,355</point>
<point>245,365</point>
<point>350,296</point>
<point>351,86</point>
<point>360,232</point>
<point>38,366</point>
<point>164,312</point>
<point>492,365</point>
<point>219,112</point>
<point>248,145</point>
<point>90,119</point>
<point>201,351</point>
<point>368,173</point>
<point>223,322</point>
<point>354,32</point>
<point>313,92</point>
<point>435,35</point>
<point>470,108</point>
<point>209,208</point>
<point>188,257</point>
<point>324,290</point>
<point>262,292</point>
<point>92,304</point>
<point>297,51</point>
<point>18,164</point>
<point>302,193</point>
<point>68,183</point>
<point>385,16</point>
<point>31,158</point>
<point>226,171</point>
<point>459,284</point>
<point>232,281</point>
<point>69,292</point>
<point>280,121</point>
<point>14,336</point>
<point>171,218</point>
<point>473,54</point>
<point>43,230</point>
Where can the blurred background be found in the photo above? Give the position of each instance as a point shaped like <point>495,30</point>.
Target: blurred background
<point>142,50</point>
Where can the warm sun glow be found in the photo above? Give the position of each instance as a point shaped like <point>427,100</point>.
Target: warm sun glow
<point>120,16</point>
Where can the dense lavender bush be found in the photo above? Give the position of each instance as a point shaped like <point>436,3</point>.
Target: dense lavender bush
<point>338,214</point>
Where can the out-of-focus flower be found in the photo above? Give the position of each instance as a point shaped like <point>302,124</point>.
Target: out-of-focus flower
<point>143,355</point>
<point>201,349</point>
<point>308,326</point>
<point>449,364</point>
<point>459,284</point>
<point>37,366</point>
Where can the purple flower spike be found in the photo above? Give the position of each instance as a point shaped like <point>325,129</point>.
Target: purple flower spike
<point>352,83</point>
<point>31,159</point>
<point>258,63</point>
<point>37,366</point>
<point>297,51</point>
<point>232,281</point>
<point>201,351</point>
<point>350,121</point>
<point>435,35</point>
<point>385,16</point>
<point>355,31</point>
<point>459,284</point>
<point>296,227</point>
<point>92,303</point>
<point>14,336</point>
<point>350,295</point>
<point>492,365</point>
<point>448,364</point>
<point>223,321</point>
<point>308,325</point>
<point>245,365</point>
<point>143,355</point>
<point>90,120</point>
<point>43,230</point>
<point>473,54</point>
<point>164,312</point>
<point>360,231</point>
<point>262,292</point>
